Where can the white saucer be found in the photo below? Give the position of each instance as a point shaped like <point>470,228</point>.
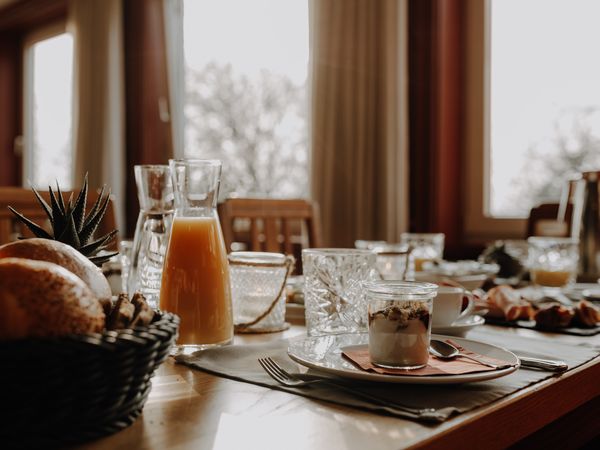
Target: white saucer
<point>460,328</point>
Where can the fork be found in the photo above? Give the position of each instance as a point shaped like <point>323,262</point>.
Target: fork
<point>285,378</point>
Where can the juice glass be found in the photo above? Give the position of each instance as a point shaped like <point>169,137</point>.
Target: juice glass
<point>553,261</point>
<point>195,281</point>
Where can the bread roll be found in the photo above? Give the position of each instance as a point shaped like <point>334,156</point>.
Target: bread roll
<point>64,255</point>
<point>39,299</point>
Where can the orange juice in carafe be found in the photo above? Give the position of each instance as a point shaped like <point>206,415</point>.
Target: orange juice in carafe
<point>195,283</point>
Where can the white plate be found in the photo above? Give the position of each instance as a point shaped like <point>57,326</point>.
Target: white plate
<point>461,327</point>
<point>324,354</point>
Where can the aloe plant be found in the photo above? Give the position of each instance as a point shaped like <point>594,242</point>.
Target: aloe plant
<point>71,225</point>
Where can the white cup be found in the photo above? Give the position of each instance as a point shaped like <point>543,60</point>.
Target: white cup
<point>447,306</point>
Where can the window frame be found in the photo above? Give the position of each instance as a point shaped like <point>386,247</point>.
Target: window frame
<point>40,34</point>
<point>478,224</point>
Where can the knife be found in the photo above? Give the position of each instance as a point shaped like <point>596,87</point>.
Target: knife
<point>543,364</point>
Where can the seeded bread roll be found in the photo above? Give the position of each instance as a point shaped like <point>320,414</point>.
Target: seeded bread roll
<point>40,299</point>
<point>64,255</point>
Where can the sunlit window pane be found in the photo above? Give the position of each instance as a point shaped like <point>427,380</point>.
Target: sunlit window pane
<point>246,71</point>
<point>51,152</point>
<point>545,100</point>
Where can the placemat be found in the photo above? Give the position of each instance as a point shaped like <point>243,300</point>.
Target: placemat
<point>240,362</point>
<point>531,324</point>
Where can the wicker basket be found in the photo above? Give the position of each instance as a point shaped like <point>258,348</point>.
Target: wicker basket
<point>77,388</point>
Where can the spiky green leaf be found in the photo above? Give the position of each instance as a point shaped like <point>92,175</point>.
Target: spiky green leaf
<point>92,224</point>
<point>43,204</point>
<point>98,244</point>
<point>61,202</point>
<point>79,208</point>
<point>95,207</point>
<point>101,259</point>
<point>69,234</point>
<point>59,221</point>
<point>33,227</point>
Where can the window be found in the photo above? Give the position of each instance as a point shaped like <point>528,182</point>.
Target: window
<point>245,102</point>
<point>48,81</point>
<point>532,110</point>
<point>544,99</point>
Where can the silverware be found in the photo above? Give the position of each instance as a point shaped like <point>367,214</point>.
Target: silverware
<point>544,364</point>
<point>285,378</point>
<point>443,350</point>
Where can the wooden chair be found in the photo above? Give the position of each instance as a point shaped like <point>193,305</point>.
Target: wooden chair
<point>25,202</point>
<point>543,221</point>
<point>271,225</point>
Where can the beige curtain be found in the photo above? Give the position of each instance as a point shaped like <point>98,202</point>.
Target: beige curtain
<point>359,109</point>
<point>98,110</point>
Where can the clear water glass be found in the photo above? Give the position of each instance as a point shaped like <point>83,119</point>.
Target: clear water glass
<point>553,261</point>
<point>334,297</point>
<point>392,261</point>
<point>424,248</point>
<point>125,247</point>
<point>258,281</point>
<point>155,194</point>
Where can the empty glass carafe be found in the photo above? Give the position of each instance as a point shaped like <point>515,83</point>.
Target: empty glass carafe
<point>155,194</point>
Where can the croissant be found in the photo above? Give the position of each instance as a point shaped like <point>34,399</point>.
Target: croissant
<point>554,316</point>
<point>586,314</point>
<point>504,301</point>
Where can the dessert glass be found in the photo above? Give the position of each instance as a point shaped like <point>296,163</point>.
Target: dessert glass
<point>553,261</point>
<point>399,323</point>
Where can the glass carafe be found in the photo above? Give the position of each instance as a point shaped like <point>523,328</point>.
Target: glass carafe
<point>155,194</point>
<point>195,283</point>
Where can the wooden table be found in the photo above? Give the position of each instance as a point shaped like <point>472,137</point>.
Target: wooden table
<point>195,410</point>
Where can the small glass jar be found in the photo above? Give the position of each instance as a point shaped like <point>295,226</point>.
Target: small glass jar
<point>553,261</point>
<point>399,323</point>
<point>424,248</point>
<point>258,281</point>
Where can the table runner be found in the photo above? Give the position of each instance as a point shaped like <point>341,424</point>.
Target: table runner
<point>239,362</point>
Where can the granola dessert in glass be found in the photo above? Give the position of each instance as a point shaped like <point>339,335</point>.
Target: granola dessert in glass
<point>399,314</point>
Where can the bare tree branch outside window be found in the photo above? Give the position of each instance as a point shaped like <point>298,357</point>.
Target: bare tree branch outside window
<point>256,126</point>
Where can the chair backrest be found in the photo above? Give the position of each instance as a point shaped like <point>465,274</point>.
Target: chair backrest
<point>25,202</point>
<point>544,221</point>
<point>271,225</point>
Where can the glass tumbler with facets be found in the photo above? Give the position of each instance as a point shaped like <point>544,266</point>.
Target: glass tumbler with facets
<point>155,194</point>
<point>334,297</point>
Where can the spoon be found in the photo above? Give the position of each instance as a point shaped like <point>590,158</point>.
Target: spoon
<point>443,350</point>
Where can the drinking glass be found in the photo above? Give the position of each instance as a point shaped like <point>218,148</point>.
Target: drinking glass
<point>155,194</point>
<point>195,282</point>
<point>424,248</point>
<point>392,261</point>
<point>125,247</point>
<point>334,298</point>
<point>399,323</point>
<point>258,281</point>
<point>553,261</point>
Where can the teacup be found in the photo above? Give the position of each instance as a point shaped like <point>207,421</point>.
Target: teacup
<point>447,306</point>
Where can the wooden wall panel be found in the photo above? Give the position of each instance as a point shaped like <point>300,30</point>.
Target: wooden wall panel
<point>436,95</point>
<point>148,137</point>
<point>10,107</point>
